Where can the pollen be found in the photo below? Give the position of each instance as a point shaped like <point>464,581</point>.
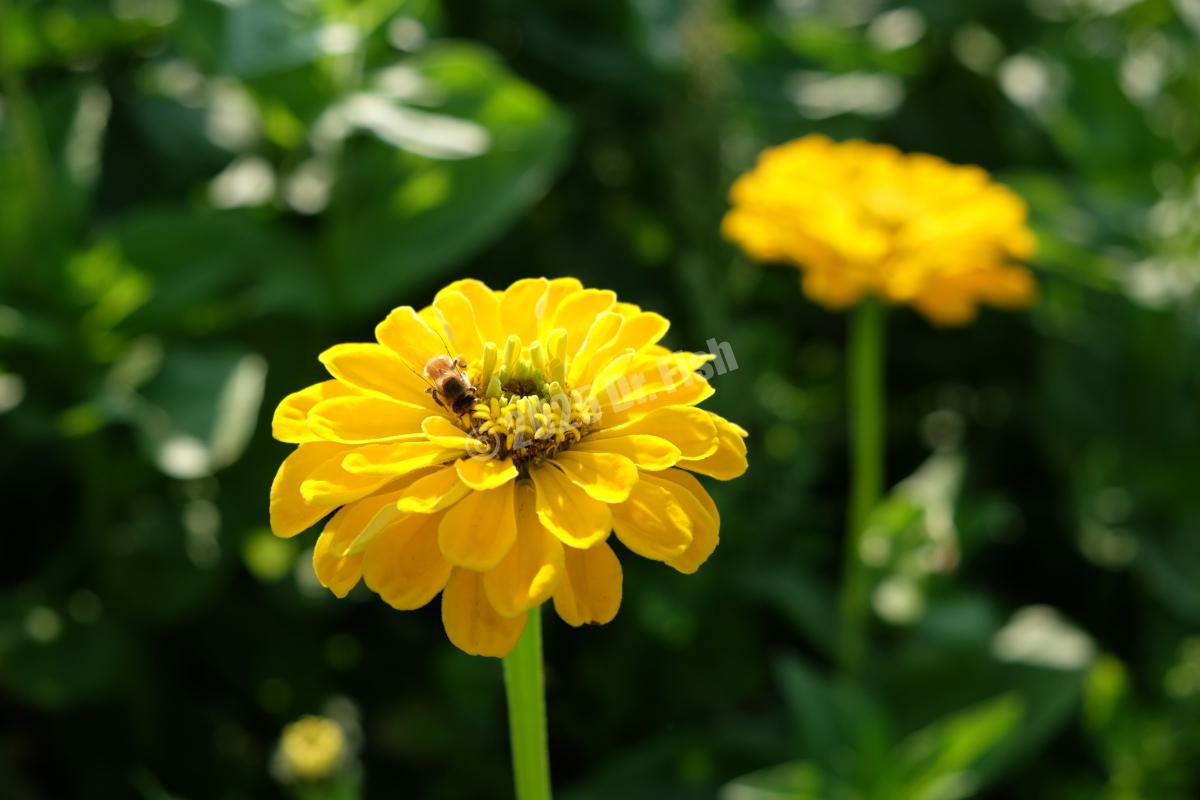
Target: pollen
<point>526,410</point>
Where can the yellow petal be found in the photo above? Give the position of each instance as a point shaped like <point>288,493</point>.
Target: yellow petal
<point>558,290</point>
<point>338,574</point>
<point>482,472</point>
<point>434,492</point>
<point>290,422</point>
<point>591,588</point>
<point>690,429</point>
<point>459,317</point>
<point>647,452</point>
<point>396,459</point>
<point>606,477</point>
<point>471,623</point>
<point>374,369</point>
<point>729,460</point>
<point>578,311</point>
<point>652,523</point>
<point>529,574</point>
<point>518,307</point>
<point>383,513</point>
<point>409,337</point>
<point>626,309</point>
<point>331,485</point>
<point>403,564</point>
<point>484,304</point>
<point>290,512</point>
<point>706,522</point>
<point>599,336</point>
<point>445,433</point>
<point>362,418</point>
<point>478,531</point>
<point>629,382</point>
<point>336,569</point>
<point>567,511</point>
<point>641,330</point>
<point>690,393</point>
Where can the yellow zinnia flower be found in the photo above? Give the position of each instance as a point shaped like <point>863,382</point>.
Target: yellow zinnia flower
<point>865,219</point>
<point>310,749</point>
<point>496,479</point>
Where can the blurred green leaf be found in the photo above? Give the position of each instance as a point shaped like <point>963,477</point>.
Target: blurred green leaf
<point>207,270</point>
<point>796,781</point>
<point>838,727</point>
<point>199,411</point>
<point>936,762</point>
<point>397,219</point>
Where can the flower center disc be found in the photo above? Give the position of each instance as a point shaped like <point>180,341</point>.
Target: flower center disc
<point>526,411</point>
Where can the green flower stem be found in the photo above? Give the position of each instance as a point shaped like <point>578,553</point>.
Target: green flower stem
<point>865,388</point>
<point>524,687</point>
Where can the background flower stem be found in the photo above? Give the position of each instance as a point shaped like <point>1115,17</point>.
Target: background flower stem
<point>525,690</point>
<point>865,389</point>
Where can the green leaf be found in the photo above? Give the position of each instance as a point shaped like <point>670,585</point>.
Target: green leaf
<point>838,727</point>
<point>398,219</point>
<point>798,780</point>
<point>936,762</point>
<point>198,413</point>
<point>208,270</point>
<point>263,36</point>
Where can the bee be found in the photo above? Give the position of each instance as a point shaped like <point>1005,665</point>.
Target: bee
<point>451,388</point>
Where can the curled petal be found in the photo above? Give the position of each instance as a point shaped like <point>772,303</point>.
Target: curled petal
<point>606,477</point>
<point>459,317</point>
<point>404,565</point>
<point>647,452</point>
<point>375,370</point>
<point>471,623</point>
<point>729,459</point>
<point>480,472</point>
<point>528,575</point>
<point>515,305</point>
<point>590,591</point>
<point>567,511</point>
<point>480,529</point>
<point>362,419</point>
<point>706,522</point>
<point>691,430</point>
<point>389,460</point>
<point>485,306</point>
<point>434,492</point>
<point>291,512</point>
<point>290,421</point>
<point>331,485</point>
<point>410,338</point>
<point>558,290</point>
<point>652,522</point>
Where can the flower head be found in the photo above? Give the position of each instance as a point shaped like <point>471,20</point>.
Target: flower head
<point>311,748</point>
<point>865,219</point>
<point>487,445</point>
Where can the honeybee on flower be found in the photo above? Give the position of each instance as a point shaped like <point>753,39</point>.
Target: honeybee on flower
<point>495,476</point>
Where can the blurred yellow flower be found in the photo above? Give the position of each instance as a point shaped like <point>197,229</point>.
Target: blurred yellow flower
<point>311,748</point>
<point>865,219</point>
<point>485,447</point>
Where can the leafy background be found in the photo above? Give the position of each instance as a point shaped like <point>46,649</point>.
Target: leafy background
<point>197,197</point>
